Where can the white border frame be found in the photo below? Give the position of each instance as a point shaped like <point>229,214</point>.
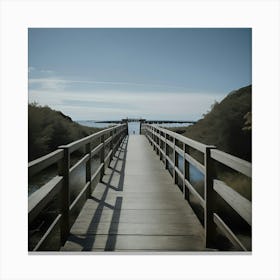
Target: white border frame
<point>17,16</point>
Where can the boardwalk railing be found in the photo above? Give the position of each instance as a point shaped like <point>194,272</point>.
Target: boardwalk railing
<point>169,146</point>
<point>106,143</point>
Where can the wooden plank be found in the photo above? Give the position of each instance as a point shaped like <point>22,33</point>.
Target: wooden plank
<point>108,140</point>
<point>102,155</point>
<point>111,144</point>
<point>175,160</point>
<point>170,161</point>
<point>233,162</point>
<point>108,157</point>
<point>88,168</point>
<point>51,239</point>
<point>210,200</point>
<point>169,143</point>
<point>239,203</point>
<point>96,149</point>
<point>195,163</point>
<point>78,203</point>
<point>165,152</point>
<point>97,172</point>
<point>195,193</point>
<point>179,151</point>
<point>136,207</point>
<point>178,171</point>
<point>43,162</point>
<point>228,233</point>
<point>65,195</point>
<point>194,144</point>
<point>186,172</point>
<point>40,198</point>
<point>77,164</point>
<point>81,142</point>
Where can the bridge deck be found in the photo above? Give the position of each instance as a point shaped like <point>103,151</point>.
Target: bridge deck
<point>136,208</point>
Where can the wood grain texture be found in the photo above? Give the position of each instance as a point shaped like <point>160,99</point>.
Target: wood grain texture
<point>136,207</point>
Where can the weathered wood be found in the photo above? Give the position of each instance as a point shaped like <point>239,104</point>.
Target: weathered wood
<point>108,140</point>
<point>39,199</point>
<point>65,194</point>
<point>233,162</point>
<point>239,203</point>
<point>97,172</point>
<point>210,200</point>
<point>78,203</point>
<point>107,159</point>
<point>81,142</point>
<point>102,155</point>
<point>175,161</point>
<point>165,152</point>
<point>228,233</point>
<point>179,151</point>
<point>88,168</point>
<point>186,172</point>
<point>195,163</point>
<point>51,239</point>
<point>141,176</point>
<point>84,159</point>
<point>195,193</point>
<point>179,173</point>
<point>96,150</point>
<point>136,207</point>
<point>194,144</point>
<point>170,161</point>
<point>111,144</point>
<point>169,143</point>
<point>43,162</point>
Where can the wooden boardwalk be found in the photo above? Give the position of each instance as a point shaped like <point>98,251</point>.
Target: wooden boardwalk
<point>137,207</point>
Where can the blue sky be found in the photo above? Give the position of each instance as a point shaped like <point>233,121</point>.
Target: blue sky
<point>95,74</point>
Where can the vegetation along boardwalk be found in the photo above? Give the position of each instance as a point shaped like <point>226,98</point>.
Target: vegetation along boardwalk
<point>136,207</point>
<point>134,193</point>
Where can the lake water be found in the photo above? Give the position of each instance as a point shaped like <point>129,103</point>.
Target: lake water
<point>133,127</point>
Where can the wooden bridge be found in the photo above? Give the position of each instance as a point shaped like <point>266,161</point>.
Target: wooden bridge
<point>137,198</point>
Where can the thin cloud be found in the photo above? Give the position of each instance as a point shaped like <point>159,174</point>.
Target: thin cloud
<point>31,69</point>
<point>44,82</point>
<point>98,105</point>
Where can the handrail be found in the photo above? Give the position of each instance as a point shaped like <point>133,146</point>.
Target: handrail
<point>59,185</point>
<point>43,162</point>
<point>158,138</point>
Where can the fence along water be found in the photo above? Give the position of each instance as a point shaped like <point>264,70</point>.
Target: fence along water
<point>168,145</point>
<point>58,188</point>
<point>164,140</point>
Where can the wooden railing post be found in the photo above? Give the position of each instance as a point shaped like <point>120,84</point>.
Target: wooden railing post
<point>210,200</point>
<point>102,157</point>
<point>111,144</point>
<point>165,151</point>
<point>175,160</point>
<point>88,168</point>
<point>63,170</point>
<point>153,138</point>
<point>127,132</point>
<point>157,142</point>
<point>186,172</point>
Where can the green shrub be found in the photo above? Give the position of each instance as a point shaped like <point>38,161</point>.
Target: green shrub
<point>48,129</point>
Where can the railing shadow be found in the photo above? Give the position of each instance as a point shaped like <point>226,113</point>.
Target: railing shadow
<point>89,240</point>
